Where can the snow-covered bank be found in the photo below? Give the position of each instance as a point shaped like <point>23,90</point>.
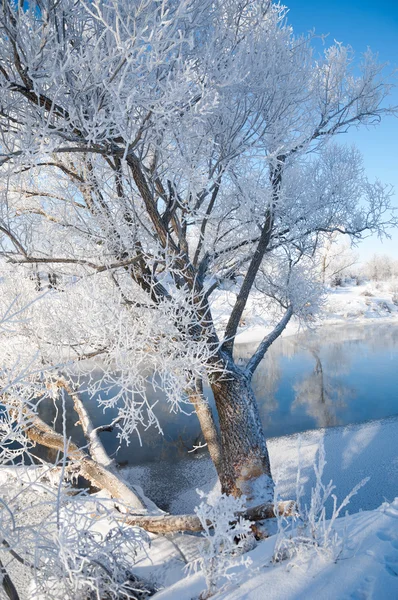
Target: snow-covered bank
<point>370,302</point>
<point>368,565</point>
<point>362,302</point>
<point>366,570</point>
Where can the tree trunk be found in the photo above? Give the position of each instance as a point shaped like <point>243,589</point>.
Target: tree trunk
<point>95,445</point>
<point>207,424</point>
<point>245,462</point>
<point>100,476</point>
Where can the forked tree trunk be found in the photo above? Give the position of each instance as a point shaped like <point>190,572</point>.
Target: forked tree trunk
<point>245,461</point>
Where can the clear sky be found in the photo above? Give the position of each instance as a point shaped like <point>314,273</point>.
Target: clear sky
<point>362,24</point>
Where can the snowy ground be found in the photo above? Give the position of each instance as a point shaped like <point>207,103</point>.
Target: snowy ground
<point>368,567</point>
<point>369,301</point>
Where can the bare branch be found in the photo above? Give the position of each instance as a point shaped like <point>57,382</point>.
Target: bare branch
<point>267,342</point>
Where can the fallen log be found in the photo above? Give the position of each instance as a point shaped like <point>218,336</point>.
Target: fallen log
<point>172,523</point>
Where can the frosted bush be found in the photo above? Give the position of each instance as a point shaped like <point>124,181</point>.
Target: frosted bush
<point>309,529</point>
<point>226,534</point>
<point>77,550</point>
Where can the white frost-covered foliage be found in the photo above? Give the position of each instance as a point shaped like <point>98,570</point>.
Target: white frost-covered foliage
<point>336,260</point>
<point>133,347</point>
<point>73,545</point>
<point>171,133</point>
<point>152,151</point>
<point>291,282</point>
<point>225,533</point>
<point>310,529</point>
<point>75,559</point>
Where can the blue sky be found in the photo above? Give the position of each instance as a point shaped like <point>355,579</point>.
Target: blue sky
<point>362,24</point>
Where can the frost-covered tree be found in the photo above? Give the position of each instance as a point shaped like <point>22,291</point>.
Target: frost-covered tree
<point>336,258</point>
<point>380,268</point>
<point>151,151</point>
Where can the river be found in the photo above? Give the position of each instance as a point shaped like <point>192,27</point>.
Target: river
<point>328,377</point>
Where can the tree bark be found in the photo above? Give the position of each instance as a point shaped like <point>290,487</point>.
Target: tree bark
<point>245,461</point>
<point>207,424</point>
<point>100,476</point>
<point>171,523</point>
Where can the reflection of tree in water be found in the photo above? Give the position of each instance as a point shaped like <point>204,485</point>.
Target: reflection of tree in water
<point>323,394</point>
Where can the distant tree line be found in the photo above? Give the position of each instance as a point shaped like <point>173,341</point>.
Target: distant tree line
<point>381,267</point>
<point>338,263</point>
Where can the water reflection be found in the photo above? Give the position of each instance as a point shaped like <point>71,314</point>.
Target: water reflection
<point>321,394</point>
<point>333,376</point>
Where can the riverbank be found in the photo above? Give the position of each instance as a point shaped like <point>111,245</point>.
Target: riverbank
<point>366,303</point>
<point>353,452</point>
<point>367,568</point>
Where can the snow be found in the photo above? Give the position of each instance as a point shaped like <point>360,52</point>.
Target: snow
<point>368,565</point>
<point>367,569</point>
<point>353,452</point>
<point>364,303</point>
